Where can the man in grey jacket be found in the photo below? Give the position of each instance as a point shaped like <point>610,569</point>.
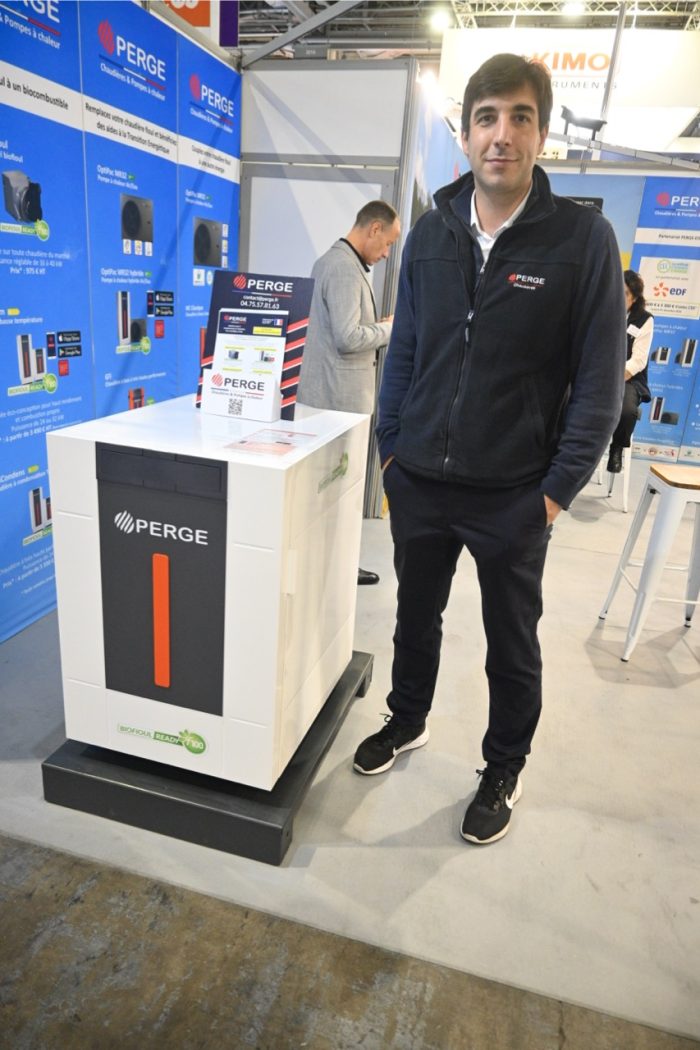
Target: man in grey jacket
<point>344,333</point>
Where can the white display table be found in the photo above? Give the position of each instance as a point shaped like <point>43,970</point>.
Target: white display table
<point>206,588</point>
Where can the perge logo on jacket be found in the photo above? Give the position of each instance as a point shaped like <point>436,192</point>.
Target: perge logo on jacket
<point>526,281</point>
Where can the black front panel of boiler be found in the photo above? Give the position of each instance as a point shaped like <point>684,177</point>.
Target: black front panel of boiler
<point>163,565</point>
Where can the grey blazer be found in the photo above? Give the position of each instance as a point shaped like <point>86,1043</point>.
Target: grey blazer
<point>339,363</point>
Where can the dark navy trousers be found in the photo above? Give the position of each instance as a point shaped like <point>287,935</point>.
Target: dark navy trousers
<point>506,532</point>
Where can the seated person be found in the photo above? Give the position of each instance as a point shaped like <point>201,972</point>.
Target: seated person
<point>640,330</point>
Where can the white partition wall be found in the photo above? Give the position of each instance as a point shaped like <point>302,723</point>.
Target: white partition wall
<point>319,140</point>
<point>342,113</point>
<point>292,215</point>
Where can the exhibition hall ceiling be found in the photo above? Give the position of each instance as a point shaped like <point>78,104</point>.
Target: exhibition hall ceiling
<point>386,28</point>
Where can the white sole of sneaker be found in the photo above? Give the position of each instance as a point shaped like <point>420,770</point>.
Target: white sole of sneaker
<point>418,742</point>
<point>504,831</point>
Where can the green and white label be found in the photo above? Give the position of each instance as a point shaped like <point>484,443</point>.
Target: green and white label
<point>192,742</point>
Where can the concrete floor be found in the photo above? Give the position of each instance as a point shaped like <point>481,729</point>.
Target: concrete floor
<point>92,956</point>
<point>593,899</point>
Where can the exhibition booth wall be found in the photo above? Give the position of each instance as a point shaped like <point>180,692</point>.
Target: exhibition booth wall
<point>119,158</point>
<point>147,207</point>
<point>311,156</point>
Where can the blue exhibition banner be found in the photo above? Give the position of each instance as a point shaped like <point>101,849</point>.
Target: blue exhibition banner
<point>618,199</point>
<point>45,338</point>
<point>209,148</point>
<point>42,38</point>
<point>690,449</point>
<point>667,255</point>
<point>129,63</point>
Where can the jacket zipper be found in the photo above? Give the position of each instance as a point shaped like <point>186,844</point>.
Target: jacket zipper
<point>471,316</point>
<point>475,298</point>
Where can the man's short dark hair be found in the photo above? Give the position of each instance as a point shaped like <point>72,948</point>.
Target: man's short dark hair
<point>376,211</point>
<point>503,74</point>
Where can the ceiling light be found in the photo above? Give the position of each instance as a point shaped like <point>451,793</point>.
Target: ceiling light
<point>573,8</point>
<point>440,21</point>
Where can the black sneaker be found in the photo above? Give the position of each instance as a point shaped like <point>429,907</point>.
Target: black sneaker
<point>378,752</point>
<point>488,814</point>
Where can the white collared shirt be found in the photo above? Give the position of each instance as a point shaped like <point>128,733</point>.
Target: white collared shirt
<point>486,241</point>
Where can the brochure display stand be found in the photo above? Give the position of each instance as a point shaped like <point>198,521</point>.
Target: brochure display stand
<point>207,577</point>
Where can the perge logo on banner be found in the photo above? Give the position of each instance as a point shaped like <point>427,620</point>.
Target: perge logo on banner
<point>262,284</point>
<point>206,95</point>
<point>133,54</point>
<point>679,201</point>
<point>106,35</point>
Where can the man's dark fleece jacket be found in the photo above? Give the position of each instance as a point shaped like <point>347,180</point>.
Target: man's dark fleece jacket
<point>514,375</point>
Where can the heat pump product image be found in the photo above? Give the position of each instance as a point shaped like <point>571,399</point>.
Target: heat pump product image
<point>39,362</point>
<point>661,355</point>
<point>22,196</point>
<point>137,218</point>
<point>25,358</point>
<point>36,509</point>
<point>124,317</point>
<point>656,409</point>
<point>207,242</point>
<point>686,356</point>
<point>136,397</point>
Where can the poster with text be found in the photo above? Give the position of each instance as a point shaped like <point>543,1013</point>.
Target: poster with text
<point>209,147</point>
<point>254,345</point>
<point>667,256</point>
<point>690,447</point>
<point>129,111</point>
<point>45,339</point>
<point>618,197</point>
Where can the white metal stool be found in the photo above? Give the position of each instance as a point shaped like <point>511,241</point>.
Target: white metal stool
<point>676,486</point>
<point>626,471</point>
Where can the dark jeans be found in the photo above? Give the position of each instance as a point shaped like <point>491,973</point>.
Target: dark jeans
<point>628,417</point>
<point>506,533</point>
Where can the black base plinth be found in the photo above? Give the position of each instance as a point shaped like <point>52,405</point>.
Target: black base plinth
<point>201,809</point>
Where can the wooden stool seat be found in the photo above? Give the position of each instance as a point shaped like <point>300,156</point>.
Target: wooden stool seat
<point>676,486</point>
<point>678,475</point>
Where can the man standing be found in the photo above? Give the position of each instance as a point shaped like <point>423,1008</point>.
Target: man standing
<point>339,364</point>
<point>503,381</point>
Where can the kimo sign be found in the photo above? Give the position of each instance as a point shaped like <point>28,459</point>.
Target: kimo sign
<point>649,112</point>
